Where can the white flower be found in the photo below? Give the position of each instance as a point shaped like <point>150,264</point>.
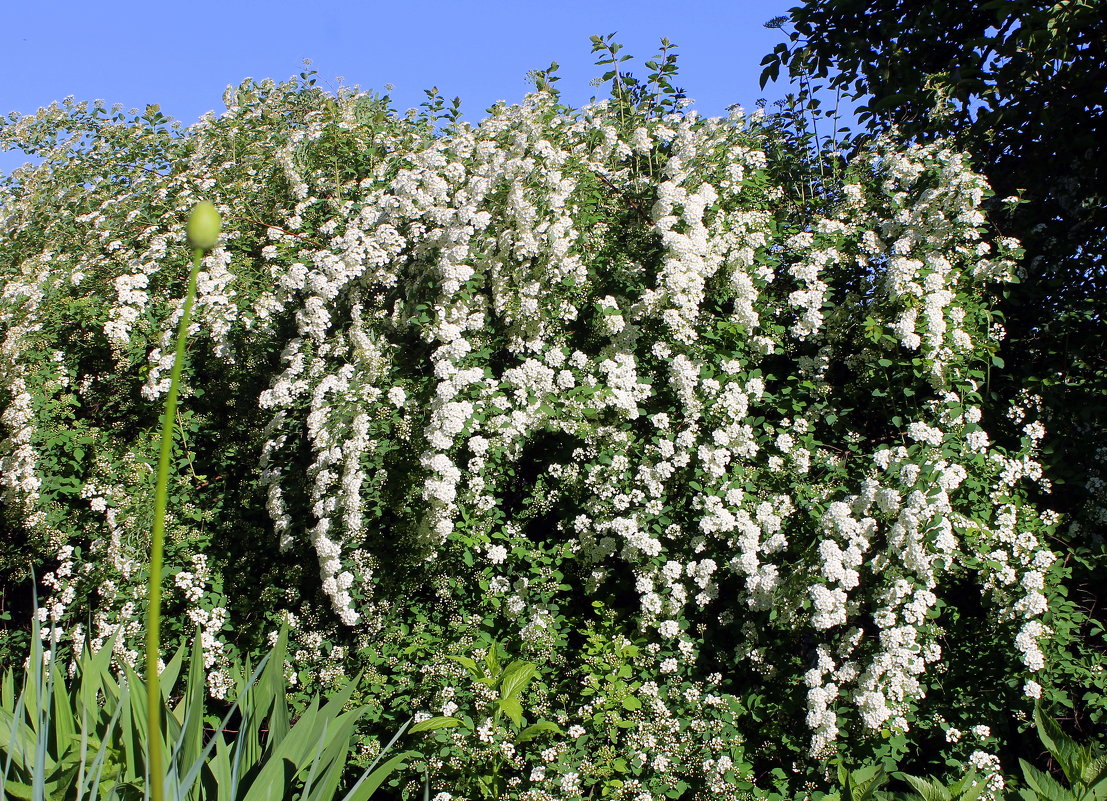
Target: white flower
<point>570,782</point>
<point>669,629</point>
<point>921,432</point>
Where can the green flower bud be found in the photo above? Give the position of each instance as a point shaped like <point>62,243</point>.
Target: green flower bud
<point>203,226</point>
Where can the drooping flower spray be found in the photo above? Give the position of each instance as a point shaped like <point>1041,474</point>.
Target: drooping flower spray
<point>204,225</point>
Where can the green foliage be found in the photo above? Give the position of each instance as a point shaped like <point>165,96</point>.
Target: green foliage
<point>1083,766</point>
<point>862,784</point>
<point>966,788</point>
<point>499,720</point>
<point>86,738</point>
<point>610,686</point>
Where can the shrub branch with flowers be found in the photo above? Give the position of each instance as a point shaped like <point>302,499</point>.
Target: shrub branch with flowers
<point>690,426</point>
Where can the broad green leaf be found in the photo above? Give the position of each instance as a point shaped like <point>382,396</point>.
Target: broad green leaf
<point>1071,756</point>
<point>1045,786</point>
<point>492,660</point>
<point>513,709</point>
<point>927,790</point>
<point>435,723</point>
<point>468,664</point>
<point>516,678</point>
<point>631,703</point>
<point>1095,770</point>
<point>536,729</point>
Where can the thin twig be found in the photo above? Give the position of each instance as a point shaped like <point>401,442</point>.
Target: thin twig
<point>277,228</point>
<point>625,196</point>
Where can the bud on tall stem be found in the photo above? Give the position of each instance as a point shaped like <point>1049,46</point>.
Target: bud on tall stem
<point>203,233</point>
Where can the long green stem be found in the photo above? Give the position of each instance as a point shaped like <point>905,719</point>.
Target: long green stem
<point>153,614</point>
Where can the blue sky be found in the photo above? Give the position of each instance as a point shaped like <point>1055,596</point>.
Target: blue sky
<point>182,55</point>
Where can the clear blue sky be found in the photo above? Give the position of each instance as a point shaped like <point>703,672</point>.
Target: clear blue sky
<point>182,54</point>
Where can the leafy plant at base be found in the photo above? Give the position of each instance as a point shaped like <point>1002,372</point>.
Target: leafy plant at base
<point>1084,767</point>
<point>610,687</point>
<point>161,750</point>
<point>968,788</point>
<point>862,784</point>
<point>507,685</point>
<point>87,738</point>
<point>59,742</point>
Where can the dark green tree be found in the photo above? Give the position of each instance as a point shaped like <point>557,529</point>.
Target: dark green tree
<point>1021,85</point>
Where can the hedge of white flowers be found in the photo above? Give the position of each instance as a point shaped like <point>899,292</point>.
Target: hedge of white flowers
<point>648,398</point>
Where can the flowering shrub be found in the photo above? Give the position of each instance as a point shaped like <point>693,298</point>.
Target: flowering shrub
<point>694,429</point>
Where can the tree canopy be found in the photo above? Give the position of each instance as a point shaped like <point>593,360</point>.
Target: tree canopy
<point>1020,85</point>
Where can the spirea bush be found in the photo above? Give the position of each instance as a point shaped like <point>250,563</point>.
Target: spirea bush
<point>646,398</point>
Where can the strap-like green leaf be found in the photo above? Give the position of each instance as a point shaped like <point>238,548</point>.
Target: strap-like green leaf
<point>170,673</point>
<point>18,790</point>
<point>134,727</point>
<point>274,685</point>
<point>193,774</point>
<point>96,770</point>
<point>368,783</point>
<point>7,691</point>
<point>189,742</point>
<point>334,758</point>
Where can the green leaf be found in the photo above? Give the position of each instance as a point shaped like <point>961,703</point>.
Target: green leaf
<point>1069,754</point>
<point>513,709</point>
<point>435,723</point>
<point>516,678</point>
<point>1094,771</point>
<point>1045,786</point>
<point>17,790</point>
<point>536,729</point>
<point>468,664</point>
<point>369,782</point>
<point>928,790</point>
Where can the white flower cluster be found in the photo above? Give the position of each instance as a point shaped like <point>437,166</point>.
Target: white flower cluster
<point>17,465</point>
